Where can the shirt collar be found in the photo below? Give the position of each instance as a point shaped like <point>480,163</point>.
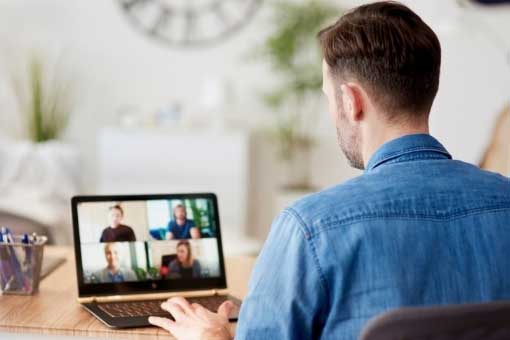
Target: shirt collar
<point>396,148</point>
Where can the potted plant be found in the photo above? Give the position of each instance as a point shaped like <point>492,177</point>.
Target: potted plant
<point>294,56</point>
<point>41,171</point>
<point>44,101</point>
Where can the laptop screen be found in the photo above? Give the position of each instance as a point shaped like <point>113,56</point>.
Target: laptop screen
<point>147,243</point>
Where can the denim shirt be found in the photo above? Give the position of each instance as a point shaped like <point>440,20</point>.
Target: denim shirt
<point>417,228</point>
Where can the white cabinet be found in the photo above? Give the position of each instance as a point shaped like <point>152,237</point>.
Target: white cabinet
<point>136,161</point>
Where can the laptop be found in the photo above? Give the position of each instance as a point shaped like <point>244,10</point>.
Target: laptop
<point>135,251</point>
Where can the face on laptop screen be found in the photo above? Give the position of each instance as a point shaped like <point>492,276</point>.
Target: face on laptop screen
<point>172,239</point>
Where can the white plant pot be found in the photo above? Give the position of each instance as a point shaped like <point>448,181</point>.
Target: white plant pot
<point>37,181</point>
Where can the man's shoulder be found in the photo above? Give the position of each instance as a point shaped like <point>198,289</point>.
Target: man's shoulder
<point>391,192</point>
<point>483,177</point>
<point>334,202</point>
<point>102,271</point>
<point>102,274</point>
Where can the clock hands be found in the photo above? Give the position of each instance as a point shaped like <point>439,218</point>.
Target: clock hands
<point>162,21</point>
<point>129,4</point>
<point>189,22</point>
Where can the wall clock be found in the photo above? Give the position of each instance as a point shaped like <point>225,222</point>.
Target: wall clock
<point>189,22</point>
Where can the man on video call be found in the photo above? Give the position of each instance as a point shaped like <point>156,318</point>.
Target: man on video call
<point>113,271</point>
<point>417,228</point>
<point>181,227</point>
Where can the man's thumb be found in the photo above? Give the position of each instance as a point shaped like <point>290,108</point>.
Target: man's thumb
<point>225,309</point>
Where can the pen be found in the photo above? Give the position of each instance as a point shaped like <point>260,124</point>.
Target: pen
<point>20,280</point>
<point>5,267</point>
<point>28,268</point>
<point>3,281</point>
<point>25,239</point>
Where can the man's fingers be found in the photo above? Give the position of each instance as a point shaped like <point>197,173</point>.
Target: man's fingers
<point>174,309</point>
<point>201,311</point>
<point>225,308</point>
<point>164,323</point>
<point>183,303</point>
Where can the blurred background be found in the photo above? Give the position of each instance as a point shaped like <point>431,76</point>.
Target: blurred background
<point>166,96</point>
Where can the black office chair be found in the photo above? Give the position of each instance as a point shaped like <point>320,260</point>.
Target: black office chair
<point>486,321</point>
<point>167,259</point>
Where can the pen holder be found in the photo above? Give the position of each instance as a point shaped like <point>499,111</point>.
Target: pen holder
<point>20,265</point>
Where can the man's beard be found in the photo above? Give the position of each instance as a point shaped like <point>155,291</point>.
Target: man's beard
<point>350,144</point>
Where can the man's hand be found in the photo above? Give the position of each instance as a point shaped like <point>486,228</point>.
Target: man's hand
<point>194,322</point>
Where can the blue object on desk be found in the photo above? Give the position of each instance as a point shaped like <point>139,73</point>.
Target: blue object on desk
<point>6,270</point>
<point>25,239</point>
<point>4,265</point>
<point>13,274</point>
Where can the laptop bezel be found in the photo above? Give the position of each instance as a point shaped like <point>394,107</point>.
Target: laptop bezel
<point>149,286</point>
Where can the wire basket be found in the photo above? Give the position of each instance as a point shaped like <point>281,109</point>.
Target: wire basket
<point>20,265</point>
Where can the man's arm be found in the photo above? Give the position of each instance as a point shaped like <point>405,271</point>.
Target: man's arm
<point>131,233</point>
<point>169,235</point>
<point>287,297</point>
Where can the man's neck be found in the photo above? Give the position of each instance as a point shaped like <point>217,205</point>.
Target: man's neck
<point>113,270</point>
<point>384,135</point>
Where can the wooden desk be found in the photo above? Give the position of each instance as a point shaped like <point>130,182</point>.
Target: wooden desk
<point>55,311</point>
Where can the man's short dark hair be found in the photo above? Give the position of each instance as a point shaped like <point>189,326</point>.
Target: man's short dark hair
<point>390,51</point>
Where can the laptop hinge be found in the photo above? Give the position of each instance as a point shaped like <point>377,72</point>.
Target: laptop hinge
<point>152,296</point>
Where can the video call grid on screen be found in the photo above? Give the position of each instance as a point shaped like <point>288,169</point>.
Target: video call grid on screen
<point>141,240</point>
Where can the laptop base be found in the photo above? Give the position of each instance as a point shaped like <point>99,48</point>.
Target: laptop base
<point>131,314</point>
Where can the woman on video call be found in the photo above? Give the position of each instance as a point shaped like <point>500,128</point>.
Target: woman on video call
<point>116,231</point>
<point>181,227</point>
<point>184,266</point>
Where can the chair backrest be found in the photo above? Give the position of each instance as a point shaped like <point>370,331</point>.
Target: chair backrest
<point>487,321</point>
<point>166,259</point>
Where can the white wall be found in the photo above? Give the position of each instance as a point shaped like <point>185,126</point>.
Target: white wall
<point>117,68</point>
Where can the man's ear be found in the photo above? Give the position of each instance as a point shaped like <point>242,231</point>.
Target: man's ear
<point>352,101</point>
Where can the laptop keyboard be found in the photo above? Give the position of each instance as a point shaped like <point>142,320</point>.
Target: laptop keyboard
<point>153,307</point>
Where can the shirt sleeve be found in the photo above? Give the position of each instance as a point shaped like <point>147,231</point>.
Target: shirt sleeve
<point>286,297</point>
<point>131,235</point>
<point>102,239</point>
<point>170,227</point>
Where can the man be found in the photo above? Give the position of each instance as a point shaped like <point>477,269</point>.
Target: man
<point>113,272</point>
<point>417,228</point>
<point>180,227</point>
<point>116,231</point>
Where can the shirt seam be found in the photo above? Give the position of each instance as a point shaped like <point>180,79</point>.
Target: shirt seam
<point>340,223</point>
<point>308,237</point>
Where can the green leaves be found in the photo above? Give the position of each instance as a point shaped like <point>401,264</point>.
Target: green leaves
<point>296,25</point>
<point>44,101</point>
<point>293,54</point>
